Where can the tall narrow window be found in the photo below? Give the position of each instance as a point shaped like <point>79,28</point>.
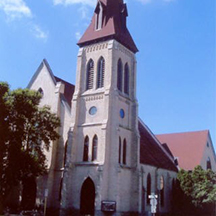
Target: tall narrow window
<point>124,151</point>
<point>90,75</point>
<point>208,164</point>
<point>65,153</point>
<point>173,189</point>
<point>143,199</point>
<point>126,79</point>
<point>100,73</point>
<point>162,191</point>
<point>148,188</point>
<point>119,75</point>
<point>99,16</point>
<point>119,159</point>
<point>94,148</point>
<point>124,15</point>
<point>60,189</point>
<point>86,148</point>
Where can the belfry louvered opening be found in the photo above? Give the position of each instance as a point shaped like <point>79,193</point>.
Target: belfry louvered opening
<point>119,75</point>
<point>90,75</point>
<point>100,73</point>
<point>126,79</point>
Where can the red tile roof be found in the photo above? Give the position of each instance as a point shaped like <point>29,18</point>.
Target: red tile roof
<point>188,147</point>
<point>113,27</point>
<point>151,153</point>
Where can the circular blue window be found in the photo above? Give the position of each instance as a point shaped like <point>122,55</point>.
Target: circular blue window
<point>122,113</point>
<point>92,110</point>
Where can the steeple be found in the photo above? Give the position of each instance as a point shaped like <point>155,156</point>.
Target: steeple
<point>109,22</point>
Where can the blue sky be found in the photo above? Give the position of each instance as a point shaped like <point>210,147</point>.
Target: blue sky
<point>176,76</point>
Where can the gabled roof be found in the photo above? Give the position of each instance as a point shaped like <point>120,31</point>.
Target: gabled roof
<point>69,88</point>
<point>113,27</point>
<point>151,151</point>
<point>188,147</point>
<point>44,63</point>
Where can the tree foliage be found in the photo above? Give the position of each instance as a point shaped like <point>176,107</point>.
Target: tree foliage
<point>199,185</point>
<point>25,132</point>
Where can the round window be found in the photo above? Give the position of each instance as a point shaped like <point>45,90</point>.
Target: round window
<point>92,110</point>
<point>122,113</point>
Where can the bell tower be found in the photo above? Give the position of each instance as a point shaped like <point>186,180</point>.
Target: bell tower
<point>101,172</point>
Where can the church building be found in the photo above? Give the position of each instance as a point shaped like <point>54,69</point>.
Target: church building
<point>107,161</point>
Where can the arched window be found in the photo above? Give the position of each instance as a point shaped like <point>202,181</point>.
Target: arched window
<point>86,148</point>
<point>208,164</point>
<point>119,75</point>
<point>40,90</point>
<point>148,188</point>
<point>124,151</point>
<point>90,75</point>
<point>100,72</point>
<point>126,79</point>
<point>162,191</point>
<point>94,148</point>
<point>119,150</point>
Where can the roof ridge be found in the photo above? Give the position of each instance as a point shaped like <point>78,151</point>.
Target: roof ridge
<point>64,80</point>
<point>186,132</point>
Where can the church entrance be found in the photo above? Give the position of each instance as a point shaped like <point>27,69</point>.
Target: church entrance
<point>87,198</point>
<point>29,193</point>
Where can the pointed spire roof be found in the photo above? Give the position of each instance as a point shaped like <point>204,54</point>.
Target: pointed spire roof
<point>113,25</point>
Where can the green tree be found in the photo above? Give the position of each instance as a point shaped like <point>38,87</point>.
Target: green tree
<point>199,185</point>
<point>26,131</point>
<point>4,88</point>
